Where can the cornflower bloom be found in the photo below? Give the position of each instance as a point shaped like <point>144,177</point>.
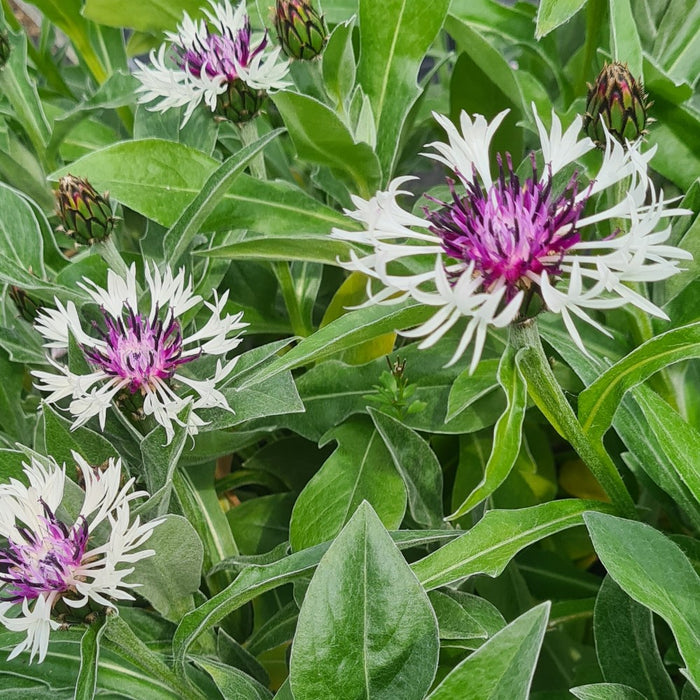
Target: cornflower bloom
<point>137,357</point>
<point>49,565</point>
<point>215,61</point>
<point>484,253</point>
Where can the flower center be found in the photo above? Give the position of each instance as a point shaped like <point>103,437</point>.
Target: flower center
<point>140,350</point>
<point>510,232</point>
<point>44,561</point>
<point>218,55</point>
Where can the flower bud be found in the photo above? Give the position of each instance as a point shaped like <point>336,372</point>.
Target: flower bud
<point>300,29</point>
<point>85,215</point>
<point>5,48</point>
<point>617,101</point>
<point>26,305</point>
<point>239,103</point>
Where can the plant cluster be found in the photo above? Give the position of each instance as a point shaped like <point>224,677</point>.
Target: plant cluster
<point>349,352</point>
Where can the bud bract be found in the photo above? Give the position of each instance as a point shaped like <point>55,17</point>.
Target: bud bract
<point>617,101</point>
<point>5,48</point>
<point>85,215</point>
<point>239,103</point>
<point>27,305</point>
<point>300,29</point>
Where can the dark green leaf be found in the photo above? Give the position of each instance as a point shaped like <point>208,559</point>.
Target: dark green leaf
<point>654,571</point>
<point>626,646</point>
<point>366,628</point>
<point>503,667</point>
<point>496,539</point>
<point>418,466</point>
<point>360,469</point>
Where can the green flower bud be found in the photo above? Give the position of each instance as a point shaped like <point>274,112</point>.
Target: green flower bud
<point>617,101</point>
<point>27,305</point>
<point>300,29</point>
<point>5,48</point>
<point>85,215</point>
<point>239,103</point>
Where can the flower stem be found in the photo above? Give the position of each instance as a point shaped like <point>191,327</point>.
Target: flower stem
<point>249,134</point>
<point>545,391</point>
<point>286,282</point>
<point>121,637</point>
<point>109,253</point>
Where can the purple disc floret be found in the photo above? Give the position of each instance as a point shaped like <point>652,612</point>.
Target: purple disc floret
<point>42,562</point>
<point>139,349</point>
<point>510,232</point>
<point>216,56</point>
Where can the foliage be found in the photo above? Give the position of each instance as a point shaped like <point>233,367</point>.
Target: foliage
<point>528,529</point>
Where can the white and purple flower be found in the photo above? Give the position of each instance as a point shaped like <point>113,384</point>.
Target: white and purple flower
<point>137,358</point>
<point>50,564</point>
<point>496,242</point>
<point>216,61</point>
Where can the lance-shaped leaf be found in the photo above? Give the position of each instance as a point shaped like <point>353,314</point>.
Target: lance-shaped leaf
<point>503,667</point>
<point>507,435</point>
<point>366,628</point>
<point>497,538</point>
<point>654,571</point>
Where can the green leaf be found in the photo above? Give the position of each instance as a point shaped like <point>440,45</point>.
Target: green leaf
<point>177,548</point>
<point>338,62</point>
<point>148,176</point>
<point>22,94</point>
<point>192,219</point>
<point>496,539</point>
<point>194,487</point>
<point>86,683</point>
<point>418,466</point>
<point>360,469</point>
<point>654,571</point>
<point>302,246</point>
<point>233,683</point>
<point>144,15</point>
<point>626,645</point>
<point>319,136</point>
<point>503,667</point>
<point>597,404</point>
<point>272,396</point>
<point>679,441</point>
<point>553,13</point>
<point>262,523</point>
<point>20,234</point>
<point>464,617</point>
<point>394,38</point>
<point>345,332</point>
<point>117,91</point>
<point>61,441</point>
<point>624,38</point>
<point>366,628</point>
<point>507,435</point>
<point>255,579</point>
<point>469,387</point>
<point>14,422</point>
<point>160,459</point>
<point>677,42</point>
<point>483,82</point>
<point>606,691</point>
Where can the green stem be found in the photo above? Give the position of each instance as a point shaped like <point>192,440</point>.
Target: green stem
<point>249,134</point>
<point>545,391</point>
<point>109,253</point>
<point>286,282</point>
<point>121,637</point>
